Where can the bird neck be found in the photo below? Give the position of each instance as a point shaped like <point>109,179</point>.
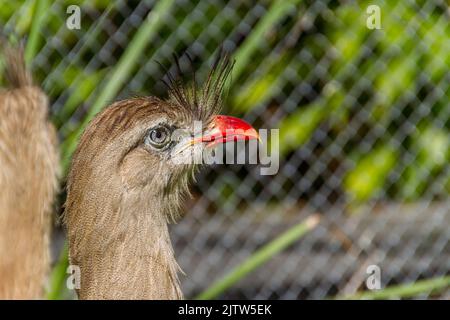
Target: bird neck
<point>125,251</point>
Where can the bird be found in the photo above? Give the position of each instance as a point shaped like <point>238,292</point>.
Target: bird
<point>29,171</point>
<point>128,179</point>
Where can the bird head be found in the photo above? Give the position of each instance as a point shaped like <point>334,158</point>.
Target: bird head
<point>152,146</point>
<point>129,175</point>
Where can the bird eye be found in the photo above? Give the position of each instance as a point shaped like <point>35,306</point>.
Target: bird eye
<point>158,137</point>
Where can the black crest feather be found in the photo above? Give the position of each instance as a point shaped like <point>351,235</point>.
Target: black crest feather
<point>206,100</point>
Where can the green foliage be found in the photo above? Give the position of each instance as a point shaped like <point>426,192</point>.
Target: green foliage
<point>435,33</point>
<point>388,89</point>
<point>348,36</point>
<point>26,8</point>
<point>83,84</point>
<point>367,178</point>
<point>57,287</point>
<point>431,148</point>
<point>276,12</point>
<point>406,48</point>
<point>404,291</point>
<point>39,10</point>
<point>298,127</point>
<point>261,89</point>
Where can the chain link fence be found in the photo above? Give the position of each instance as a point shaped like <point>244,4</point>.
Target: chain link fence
<point>363,108</point>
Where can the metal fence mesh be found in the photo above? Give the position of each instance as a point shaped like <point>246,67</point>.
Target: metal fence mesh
<point>366,107</point>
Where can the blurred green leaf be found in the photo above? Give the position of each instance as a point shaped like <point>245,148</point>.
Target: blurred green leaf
<point>436,37</point>
<point>399,21</point>
<point>409,290</point>
<point>400,76</point>
<point>262,87</point>
<point>39,15</point>
<point>97,4</point>
<point>244,53</point>
<point>370,173</point>
<point>348,34</point>
<point>59,276</point>
<point>82,89</point>
<point>431,146</point>
<point>297,128</point>
<point>9,8</point>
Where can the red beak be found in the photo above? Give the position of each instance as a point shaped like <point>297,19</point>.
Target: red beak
<point>227,128</point>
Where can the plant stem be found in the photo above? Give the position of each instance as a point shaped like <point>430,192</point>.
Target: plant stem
<point>409,290</point>
<point>58,275</point>
<point>259,257</point>
<point>40,10</point>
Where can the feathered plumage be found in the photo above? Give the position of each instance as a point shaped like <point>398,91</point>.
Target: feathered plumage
<point>28,181</point>
<point>202,101</point>
<point>125,185</point>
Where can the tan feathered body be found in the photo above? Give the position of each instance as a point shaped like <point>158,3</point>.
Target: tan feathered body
<point>123,189</point>
<point>28,183</point>
<point>117,230</point>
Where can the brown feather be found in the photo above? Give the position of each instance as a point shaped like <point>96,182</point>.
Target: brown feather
<point>121,194</point>
<point>28,180</point>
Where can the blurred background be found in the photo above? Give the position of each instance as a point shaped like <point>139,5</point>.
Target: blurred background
<point>364,119</point>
